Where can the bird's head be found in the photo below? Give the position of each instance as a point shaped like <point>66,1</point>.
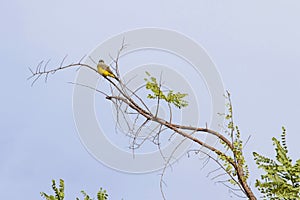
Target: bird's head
<point>101,61</point>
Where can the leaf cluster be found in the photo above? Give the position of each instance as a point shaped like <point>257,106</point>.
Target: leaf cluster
<point>60,194</point>
<point>282,178</point>
<point>170,97</point>
<point>236,154</point>
<point>101,195</point>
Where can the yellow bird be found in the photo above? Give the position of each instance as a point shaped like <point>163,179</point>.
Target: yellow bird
<point>104,70</point>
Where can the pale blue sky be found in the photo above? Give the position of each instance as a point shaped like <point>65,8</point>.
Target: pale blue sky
<point>254,44</point>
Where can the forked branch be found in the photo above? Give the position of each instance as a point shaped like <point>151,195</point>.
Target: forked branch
<point>230,158</point>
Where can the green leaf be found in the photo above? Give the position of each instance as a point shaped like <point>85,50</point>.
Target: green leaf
<point>281,179</point>
<point>174,98</point>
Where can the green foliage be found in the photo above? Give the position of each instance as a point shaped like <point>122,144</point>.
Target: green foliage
<point>236,154</point>
<point>85,195</point>
<point>171,97</point>
<point>282,178</point>
<point>102,195</point>
<point>59,193</point>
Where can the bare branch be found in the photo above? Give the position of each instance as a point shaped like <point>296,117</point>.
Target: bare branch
<point>127,102</point>
<point>41,69</point>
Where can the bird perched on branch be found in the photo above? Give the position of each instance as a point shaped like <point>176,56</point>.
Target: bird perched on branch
<point>105,71</point>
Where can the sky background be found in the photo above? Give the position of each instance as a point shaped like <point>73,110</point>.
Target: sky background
<point>254,44</point>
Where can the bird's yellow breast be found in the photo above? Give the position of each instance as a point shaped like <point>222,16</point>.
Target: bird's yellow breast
<point>105,72</point>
